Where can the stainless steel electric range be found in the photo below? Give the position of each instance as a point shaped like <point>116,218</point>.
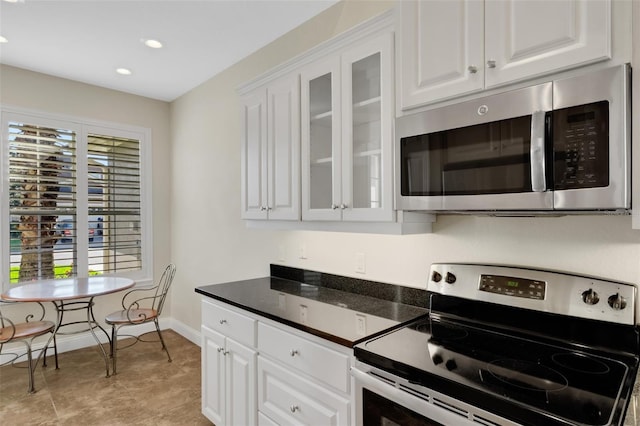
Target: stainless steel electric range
<point>504,346</point>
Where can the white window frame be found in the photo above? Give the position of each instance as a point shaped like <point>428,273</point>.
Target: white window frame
<point>83,127</point>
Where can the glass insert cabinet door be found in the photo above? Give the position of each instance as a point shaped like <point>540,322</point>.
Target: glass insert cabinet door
<point>346,135</point>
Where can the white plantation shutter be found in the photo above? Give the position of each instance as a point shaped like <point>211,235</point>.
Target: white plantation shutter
<point>72,200</point>
<point>42,193</point>
<point>114,204</point>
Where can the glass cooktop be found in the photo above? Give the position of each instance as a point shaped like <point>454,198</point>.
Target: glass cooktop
<point>507,374</point>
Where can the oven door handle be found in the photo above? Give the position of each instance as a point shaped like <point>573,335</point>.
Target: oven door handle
<point>372,383</point>
<point>537,151</point>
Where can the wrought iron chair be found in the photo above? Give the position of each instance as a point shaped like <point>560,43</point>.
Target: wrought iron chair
<point>140,311</point>
<point>25,332</point>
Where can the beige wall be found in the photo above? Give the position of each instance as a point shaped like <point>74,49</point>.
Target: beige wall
<point>210,242</point>
<point>36,92</point>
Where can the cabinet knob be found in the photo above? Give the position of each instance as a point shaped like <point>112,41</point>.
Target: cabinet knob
<point>294,408</point>
<point>223,321</point>
<point>294,352</point>
<point>472,69</point>
<point>225,353</point>
<point>334,206</point>
<point>262,208</point>
<point>491,63</point>
<point>343,206</point>
<point>269,208</point>
<point>220,349</point>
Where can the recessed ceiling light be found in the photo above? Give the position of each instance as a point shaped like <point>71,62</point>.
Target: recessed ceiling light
<point>123,71</point>
<point>154,44</point>
<point>3,40</point>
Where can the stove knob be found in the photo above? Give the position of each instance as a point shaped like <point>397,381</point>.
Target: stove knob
<point>451,365</point>
<point>590,297</point>
<point>450,278</point>
<point>437,359</point>
<point>617,302</point>
<point>436,277</point>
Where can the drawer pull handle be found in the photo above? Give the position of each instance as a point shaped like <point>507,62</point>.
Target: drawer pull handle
<point>220,349</point>
<point>223,321</point>
<point>294,352</point>
<point>294,408</point>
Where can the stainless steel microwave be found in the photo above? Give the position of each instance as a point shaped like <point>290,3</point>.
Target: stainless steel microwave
<point>558,147</point>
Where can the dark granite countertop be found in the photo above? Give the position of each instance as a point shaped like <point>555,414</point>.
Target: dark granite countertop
<point>341,309</point>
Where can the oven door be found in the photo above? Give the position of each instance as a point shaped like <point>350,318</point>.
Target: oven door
<point>386,400</point>
<point>480,155</point>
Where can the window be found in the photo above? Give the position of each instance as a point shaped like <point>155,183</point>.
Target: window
<point>73,196</point>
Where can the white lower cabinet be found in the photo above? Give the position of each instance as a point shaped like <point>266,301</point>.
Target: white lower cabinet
<point>258,372</point>
<point>289,399</point>
<point>228,368</point>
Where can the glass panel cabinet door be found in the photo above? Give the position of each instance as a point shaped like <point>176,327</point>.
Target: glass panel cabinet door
<point>321,124</point>
<point>367,137</point>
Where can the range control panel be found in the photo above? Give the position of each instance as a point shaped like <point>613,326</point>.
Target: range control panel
<point>546,291</point>
<point>513,286</point>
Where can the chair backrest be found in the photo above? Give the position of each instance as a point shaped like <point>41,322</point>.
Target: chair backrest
<point>163,287</point>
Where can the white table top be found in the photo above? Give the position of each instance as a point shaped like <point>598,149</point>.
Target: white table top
<point>66,289</point>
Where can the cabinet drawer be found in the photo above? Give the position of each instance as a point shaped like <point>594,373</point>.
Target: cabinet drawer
<point>265,421</point>
<point>288,399</point>
<point>319,362</point>
<point>232,324</point>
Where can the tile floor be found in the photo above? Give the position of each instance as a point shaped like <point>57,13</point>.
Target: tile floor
<point>146,391</point>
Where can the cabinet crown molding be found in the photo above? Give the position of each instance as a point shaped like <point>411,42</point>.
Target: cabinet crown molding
<point>379,23</point>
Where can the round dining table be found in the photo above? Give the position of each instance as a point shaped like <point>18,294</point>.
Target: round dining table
<point>70,294</point>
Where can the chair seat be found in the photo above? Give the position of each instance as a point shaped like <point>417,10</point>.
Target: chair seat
<point>135,316</point>
<point>26,329</point>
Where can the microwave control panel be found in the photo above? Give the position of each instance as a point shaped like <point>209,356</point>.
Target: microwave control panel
<point>581,146</point>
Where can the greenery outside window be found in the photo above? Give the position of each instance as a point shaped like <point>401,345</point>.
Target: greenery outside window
<point>73,199</point>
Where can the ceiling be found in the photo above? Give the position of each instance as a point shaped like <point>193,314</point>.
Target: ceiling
<point>88,40</point>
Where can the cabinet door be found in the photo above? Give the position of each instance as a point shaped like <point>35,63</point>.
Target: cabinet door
<point>254,155</point>
<point>441,50</point>
<point>213,376</point>
<point>283,152</point>
<point>242,406</point>
<point>534,37</point>
<point>367,131</point>
<point>321,129</point>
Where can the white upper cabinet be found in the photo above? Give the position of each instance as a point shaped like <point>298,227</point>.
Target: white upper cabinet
<point>271,151</point>
<point>347,115</point>
<point>440,50</point>
<point>456,47</point>
<point>533,37</point>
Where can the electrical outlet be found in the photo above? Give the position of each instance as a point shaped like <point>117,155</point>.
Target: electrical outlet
<point>360,263</point>
<point>361,325</point>
<point>304,319</point>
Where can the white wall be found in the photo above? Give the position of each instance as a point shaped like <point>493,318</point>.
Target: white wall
<point>37,92</point>
<point>212,245</point>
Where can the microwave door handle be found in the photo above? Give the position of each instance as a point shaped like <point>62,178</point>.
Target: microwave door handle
<point>538,182</point>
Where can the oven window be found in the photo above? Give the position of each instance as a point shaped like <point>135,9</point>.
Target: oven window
<point>488,158</point>
<point>379,411</point>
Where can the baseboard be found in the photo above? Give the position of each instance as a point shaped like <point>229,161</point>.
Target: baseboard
<point>185,331</point>
<point>84,340</point>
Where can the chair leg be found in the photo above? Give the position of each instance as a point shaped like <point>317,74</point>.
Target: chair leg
<point>30,367</point>
<point>114,347</point>
<point>164,347</point>
<point>55,351</point>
